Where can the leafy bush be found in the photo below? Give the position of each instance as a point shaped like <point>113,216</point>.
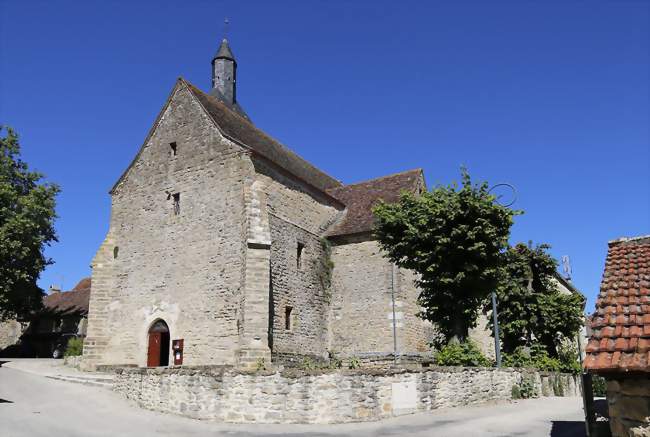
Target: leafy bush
<point>526,389</point>
<point>74,348</point>
<point>355,363</point>
<point>536,357</point>
<point>568,357</point>
<point>599,386</point>
<point>462,354</point>
<point>260,364</point>
<point>308,364</point>
<point>335,363</point>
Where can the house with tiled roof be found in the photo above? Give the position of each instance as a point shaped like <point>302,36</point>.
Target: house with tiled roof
<point>227,247</point>
<point>619,345</point>
<point>64,315</point>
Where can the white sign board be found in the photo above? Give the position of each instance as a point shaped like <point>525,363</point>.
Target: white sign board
<point>405,397</point>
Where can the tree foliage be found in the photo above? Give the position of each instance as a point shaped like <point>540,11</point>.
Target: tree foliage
<point>26,227</point>
<point>453,238</point>
<point>531,308</point>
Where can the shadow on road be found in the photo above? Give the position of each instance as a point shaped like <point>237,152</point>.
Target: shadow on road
<point>568,429</point>
<point>4,401</point>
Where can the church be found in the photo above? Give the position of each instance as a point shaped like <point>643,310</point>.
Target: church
<point>227,248</point>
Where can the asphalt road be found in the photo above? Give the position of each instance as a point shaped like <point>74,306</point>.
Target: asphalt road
<point>32,405</point>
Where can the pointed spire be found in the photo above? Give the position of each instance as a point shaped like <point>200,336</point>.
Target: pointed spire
<point>224,78</point>
<point>224,52</point>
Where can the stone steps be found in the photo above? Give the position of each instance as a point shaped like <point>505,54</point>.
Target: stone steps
<point>105,381</point>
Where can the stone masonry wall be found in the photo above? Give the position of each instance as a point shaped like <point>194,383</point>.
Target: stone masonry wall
<point>362,310</point>
<point>294,201</point>
<point>295,214</point>
<point>341,396</point>
<point>10,332</point>
<point>299,288</point>
<point>185,269</point>
<point>483,337</point>
<point>629,406</point>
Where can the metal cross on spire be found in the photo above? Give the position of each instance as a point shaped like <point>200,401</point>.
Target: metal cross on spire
<point>226,23</point>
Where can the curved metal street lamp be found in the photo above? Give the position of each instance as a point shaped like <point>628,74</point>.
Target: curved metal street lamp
<point>495,317</point>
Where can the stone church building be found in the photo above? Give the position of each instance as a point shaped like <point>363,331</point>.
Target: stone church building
<point>224,238</point>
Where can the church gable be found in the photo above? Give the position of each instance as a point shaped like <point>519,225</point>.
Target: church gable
<point>182,136</point>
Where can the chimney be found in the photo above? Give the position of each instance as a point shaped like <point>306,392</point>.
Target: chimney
<point>55,289</point>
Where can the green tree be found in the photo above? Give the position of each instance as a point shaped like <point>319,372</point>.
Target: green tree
<point>26,227</point>
<point>453,238</point>
<point>531,308</point>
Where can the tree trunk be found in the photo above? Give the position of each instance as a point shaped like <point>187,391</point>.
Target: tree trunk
<point>459,331</point>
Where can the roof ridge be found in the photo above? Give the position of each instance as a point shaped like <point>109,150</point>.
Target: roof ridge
<point>216,100</point>
<point>318,178</point>
<point>219,102</point>
<point>628,239</point>
<point>417,169</point>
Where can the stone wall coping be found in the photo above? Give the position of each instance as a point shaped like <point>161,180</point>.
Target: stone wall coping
<point>299,373</point>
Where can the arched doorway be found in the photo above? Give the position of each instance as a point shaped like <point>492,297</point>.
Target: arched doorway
<point>158,350</point>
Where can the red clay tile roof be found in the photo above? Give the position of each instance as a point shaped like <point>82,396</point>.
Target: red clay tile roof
<point>620,339</point>
<point>74,301</point>
<point>82,285</point>
<point>361,197</point>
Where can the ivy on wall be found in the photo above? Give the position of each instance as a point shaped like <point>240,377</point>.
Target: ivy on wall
<point>323,266</point>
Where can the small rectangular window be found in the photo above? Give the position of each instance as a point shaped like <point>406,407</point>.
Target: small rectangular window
<point>299,255</point>
<point>176,198</point>
<point>287,318</point>
<point>172,149</point>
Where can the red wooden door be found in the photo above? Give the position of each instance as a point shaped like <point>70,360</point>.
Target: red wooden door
<point>153,353</point>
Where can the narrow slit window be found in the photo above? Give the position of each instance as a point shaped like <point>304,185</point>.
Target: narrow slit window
<point>176,199</point>
<point>173,149</point>
<point>116,251</point>
<point>299,251</point>
<point>287,318</point>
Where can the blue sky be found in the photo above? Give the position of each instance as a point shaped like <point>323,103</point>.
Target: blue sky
<point>552,97</point>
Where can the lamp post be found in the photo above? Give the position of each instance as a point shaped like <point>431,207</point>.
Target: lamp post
<point>495,324</point>
<point>495,315</point>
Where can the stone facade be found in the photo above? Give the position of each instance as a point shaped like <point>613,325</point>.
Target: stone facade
<point>367,287</point>
<point>184,268</point>
<point>324,397</point>
<point>629,406</point>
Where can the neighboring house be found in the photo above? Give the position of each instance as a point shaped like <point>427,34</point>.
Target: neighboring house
<point>565,286</point>
<point>224,238</point>
<point>64,315</point>
<point>619,346</point>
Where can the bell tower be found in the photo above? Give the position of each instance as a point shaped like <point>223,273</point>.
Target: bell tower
<point>224,74</point>
<point>224,78</point>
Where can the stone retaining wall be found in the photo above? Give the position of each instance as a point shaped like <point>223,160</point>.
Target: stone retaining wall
<point>629,405</point>
<point>293,396</point>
